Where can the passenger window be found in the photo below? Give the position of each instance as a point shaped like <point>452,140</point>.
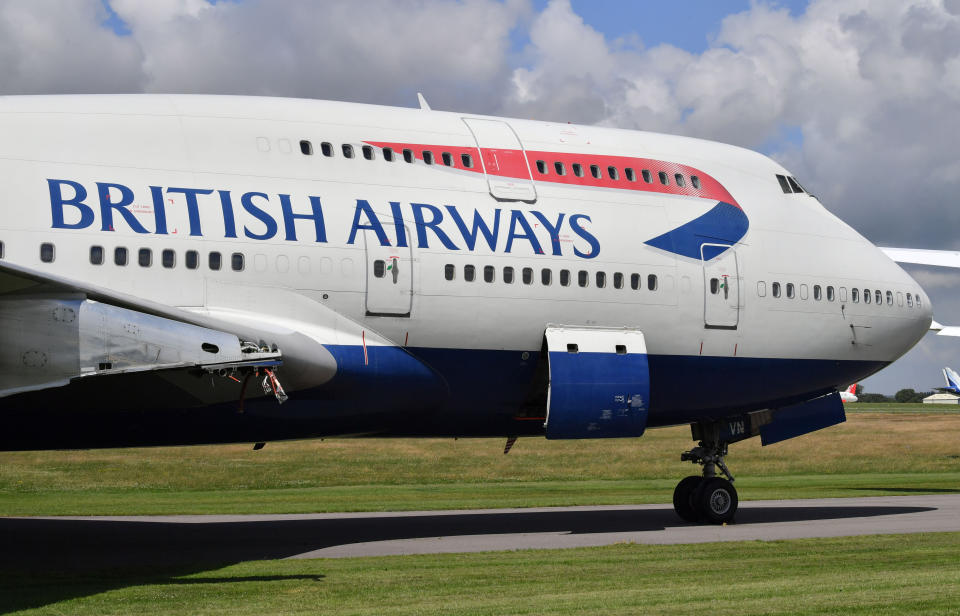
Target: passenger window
<point>449,271</point>
<point>889,298</point>
<point>214,261</point>
<point>855,295</point>
<point>917,299</point>
<point>601,280</point>
<point>761,289</point>
<point>634,281</point>
<point>120,256</point>
<point>168,258</point>
<point>695,181</point>
<point>407,155</point>
<point>612,173</point>
<point>583,278</point>
<point>326,149</point>
<point>559,168</point>
<point>236,261</point>
<point>595,171</point>
<point>817,292</point>
<point>527,275</point>
<point>564,278</point>
<point>679,179</point>
<point>428,157</point>
<point>790,293</point>
<point>830,296</point>
<point>508,275</point>
<point>652,282</point>
<point>631,175</point>
<point>488,273</point>
<point>843,294</point>
<point>469,273</point>
<point>145,257</point>
<point>47,252</point>
<point>776,289</point>
<point>879,296</point>
<point>367,152</point>
<point>546,276</point>
<point>900,299</point>
<point>578,170</point>
<point>618,280</point>
<point>647,177</point>
<point>795,185</point>
<point>542,167</point>
<point>306,148</point>
<point>347,150</point>
<point>714,286</point>
<point>1,250</point>
<point>910,300</point>
<point>664,178</point>
<point>192,259</point>
<point>467,161</point>
<point>388,154</point>
<point>447,158</point>
<point>784,185</point>
<point>803,291</point>
<point>96,255</point>
<point>867,298</point>
<point>379,268</point>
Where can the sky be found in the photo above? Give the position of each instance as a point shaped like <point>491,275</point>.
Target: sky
<point>859,99</point>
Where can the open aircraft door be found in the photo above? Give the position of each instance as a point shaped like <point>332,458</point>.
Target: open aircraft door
<point>721,280</point>
<point>503,159</point>
<point>389,277</point>
<point>599,382</point>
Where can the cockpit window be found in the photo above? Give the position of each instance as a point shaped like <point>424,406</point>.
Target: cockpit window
<point>795,185</point>
<point>784,185</point>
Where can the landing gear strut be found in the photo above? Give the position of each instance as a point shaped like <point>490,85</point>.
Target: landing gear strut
<point>707,498</point>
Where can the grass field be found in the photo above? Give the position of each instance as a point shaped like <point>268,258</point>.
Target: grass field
<point>900,574</point>
<point>872,453</point>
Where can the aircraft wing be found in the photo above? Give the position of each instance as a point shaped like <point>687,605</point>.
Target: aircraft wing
<point>56,330</point>
<point>919,256</point>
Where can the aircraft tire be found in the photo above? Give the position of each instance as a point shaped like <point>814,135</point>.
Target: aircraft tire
<point>683,497</point>
<point>715,501</point>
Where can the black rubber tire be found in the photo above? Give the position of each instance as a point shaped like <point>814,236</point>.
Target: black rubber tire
<point>715,501</point>
<point>683,497</point>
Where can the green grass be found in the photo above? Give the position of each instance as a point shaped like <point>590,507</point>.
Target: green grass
<point>870,454</point>
<point>898,574</point>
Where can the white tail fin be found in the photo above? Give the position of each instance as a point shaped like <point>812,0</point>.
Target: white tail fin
<point>953,380</point>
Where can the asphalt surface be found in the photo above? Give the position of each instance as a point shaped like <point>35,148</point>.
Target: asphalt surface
<point>86,543</point>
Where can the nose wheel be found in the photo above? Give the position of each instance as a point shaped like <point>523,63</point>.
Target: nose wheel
<point>707,498</point>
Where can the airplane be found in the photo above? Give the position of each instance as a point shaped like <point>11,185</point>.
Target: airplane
<point>952,379</point>
<point>849,394</point>
<point>179,269</point>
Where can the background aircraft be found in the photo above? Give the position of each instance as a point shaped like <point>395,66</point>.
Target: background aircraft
<point>849,394</point>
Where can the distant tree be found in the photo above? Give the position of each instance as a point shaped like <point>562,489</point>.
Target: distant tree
<point>873,398</point>
<point>859,390</point>
<point>909,395</point>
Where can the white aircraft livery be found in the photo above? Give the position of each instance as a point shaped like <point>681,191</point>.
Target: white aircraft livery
<point>173,268</point>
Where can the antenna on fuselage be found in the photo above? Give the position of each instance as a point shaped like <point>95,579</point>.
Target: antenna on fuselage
<point>424,105</point>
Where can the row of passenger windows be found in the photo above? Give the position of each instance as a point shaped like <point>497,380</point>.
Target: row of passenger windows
<point>876,296</point>
<point>369,153</point>
<point>613,173</point>
<point>527,275</point>
<point>168,257</point>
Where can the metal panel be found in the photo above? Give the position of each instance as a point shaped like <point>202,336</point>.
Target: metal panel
<point>389,277</point>
<point>599,383</point>
<point>721,286</point>
<point>504,161</point>
<point>799,419</point>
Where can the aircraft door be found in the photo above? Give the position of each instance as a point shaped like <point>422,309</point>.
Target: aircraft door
<point>389,277</point>
<point>721,296</point>
<point>504,161</point>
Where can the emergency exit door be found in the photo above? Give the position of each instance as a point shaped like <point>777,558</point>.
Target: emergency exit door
<point>721,281</point>
<point>504,161</point>
<point>389,277</point>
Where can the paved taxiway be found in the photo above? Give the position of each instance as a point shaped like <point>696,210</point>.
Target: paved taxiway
<point>94,542</point>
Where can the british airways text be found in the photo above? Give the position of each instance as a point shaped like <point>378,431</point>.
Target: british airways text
<point>423,225</point>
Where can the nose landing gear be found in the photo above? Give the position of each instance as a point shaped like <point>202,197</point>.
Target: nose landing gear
<point>707,498</point>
